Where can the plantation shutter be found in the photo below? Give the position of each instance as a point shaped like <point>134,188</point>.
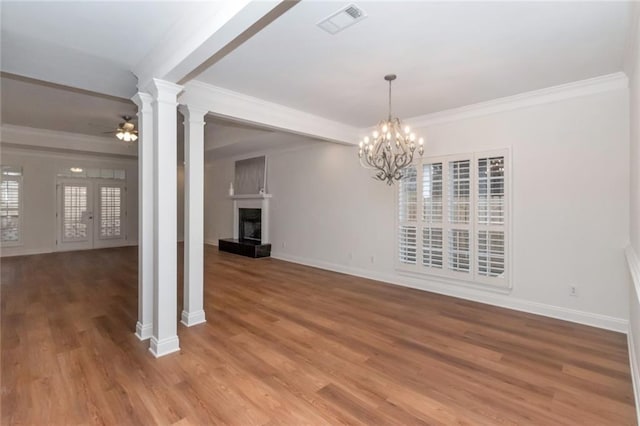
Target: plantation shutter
<point>432,243</point>
<point>459,210</point>
<point>110,212</point>
<point>491,217</point>
<point>408,217</point>
<point>10,189</point>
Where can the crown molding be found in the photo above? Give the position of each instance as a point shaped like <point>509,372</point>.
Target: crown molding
<point>51,139</point>
<point>244,108</point>
<point>591,86</point>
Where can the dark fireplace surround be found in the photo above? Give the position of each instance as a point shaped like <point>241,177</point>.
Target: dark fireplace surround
<point>249,242</point>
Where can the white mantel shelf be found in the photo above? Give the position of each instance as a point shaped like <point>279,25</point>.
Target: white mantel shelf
<point>250,196</point>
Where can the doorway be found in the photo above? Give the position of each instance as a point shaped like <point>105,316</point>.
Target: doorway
<point>90,214</point>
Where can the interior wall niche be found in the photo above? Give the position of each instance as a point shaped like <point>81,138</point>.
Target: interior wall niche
<point>251,176</point>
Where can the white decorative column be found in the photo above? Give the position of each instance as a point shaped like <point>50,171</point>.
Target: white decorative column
<point>193,312</point>
<point>165,339</point>
<point>144,326</point>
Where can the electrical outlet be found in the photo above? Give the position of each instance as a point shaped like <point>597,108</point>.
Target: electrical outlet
<point>573,291</point>
<point>284,245</point>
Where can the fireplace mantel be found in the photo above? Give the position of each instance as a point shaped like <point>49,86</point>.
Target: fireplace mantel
<point>250,196</point>
<point>252,201</point>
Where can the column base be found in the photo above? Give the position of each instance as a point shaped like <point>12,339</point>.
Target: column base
<point>144,331</point>
<point>193,318</point>
<point>164,347</point>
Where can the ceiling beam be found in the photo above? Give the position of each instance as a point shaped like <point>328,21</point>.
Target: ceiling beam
<point>247,109</point>
<point>204,36</point>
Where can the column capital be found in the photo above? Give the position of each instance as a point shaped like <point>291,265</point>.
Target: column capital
<point>164,91</point>
<point>143,101</point>
<point>193,114</point>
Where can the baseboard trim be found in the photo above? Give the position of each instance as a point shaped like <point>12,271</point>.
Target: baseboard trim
<point>211,242</point>
<point>635,372</point>
<point>16,251</point>
<point>143,331</point>
<point>558,312</point>
<point>193,318</point>
<point>634,297</point>
<point>164,347</point>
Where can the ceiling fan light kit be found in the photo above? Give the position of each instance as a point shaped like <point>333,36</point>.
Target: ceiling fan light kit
<point>126,131</point>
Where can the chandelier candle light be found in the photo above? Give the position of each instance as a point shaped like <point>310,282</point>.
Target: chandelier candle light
<point>391,147</point>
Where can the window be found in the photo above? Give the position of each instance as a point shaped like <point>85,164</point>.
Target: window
<point>457,228</point>
<point>10,205</point>
<point>110,211</point>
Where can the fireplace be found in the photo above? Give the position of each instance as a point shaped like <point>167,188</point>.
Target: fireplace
<point>250,225</point>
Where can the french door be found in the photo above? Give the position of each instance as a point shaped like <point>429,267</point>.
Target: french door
<point>90,214</point>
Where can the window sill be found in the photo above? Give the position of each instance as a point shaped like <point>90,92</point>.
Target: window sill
<point>470,284</point>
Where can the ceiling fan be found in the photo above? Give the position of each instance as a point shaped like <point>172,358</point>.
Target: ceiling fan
<point>126,130</point>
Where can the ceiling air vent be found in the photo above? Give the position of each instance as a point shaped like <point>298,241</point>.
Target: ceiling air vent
<point>342,19</point>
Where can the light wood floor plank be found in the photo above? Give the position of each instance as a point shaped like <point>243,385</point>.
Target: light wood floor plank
<point>286,344</point>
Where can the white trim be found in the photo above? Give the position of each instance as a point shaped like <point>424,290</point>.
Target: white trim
<point>211,242</point>
<point>250,196</point>
<point>164,347</point>
<point>248,109</point>
<point>635,372</point>
<point>193,318</point>
<point>19,251</point>
<point>591,86</point>
<point>634,270</point>
<point>143,331</point>
<point>558,312</point>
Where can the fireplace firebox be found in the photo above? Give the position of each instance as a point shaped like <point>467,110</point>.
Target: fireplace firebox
<point>250,225</point>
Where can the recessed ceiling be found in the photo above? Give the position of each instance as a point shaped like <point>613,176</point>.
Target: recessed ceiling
<point>40,105</point>
<point>446,55</point>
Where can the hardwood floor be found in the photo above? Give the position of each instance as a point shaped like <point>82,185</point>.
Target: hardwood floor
<point>287,344</point>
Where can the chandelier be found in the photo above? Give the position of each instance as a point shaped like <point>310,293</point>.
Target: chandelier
<point>391,147</point>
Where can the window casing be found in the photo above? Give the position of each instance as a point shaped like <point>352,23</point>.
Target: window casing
<point>453,216</point>
<point>11,206</point>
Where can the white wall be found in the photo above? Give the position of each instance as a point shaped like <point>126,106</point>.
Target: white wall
<point>218,207</point>
<point>39,170</point>
<point>633,65</point>
<point>570,206</point>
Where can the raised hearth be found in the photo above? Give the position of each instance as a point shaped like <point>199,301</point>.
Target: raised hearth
<point>247,248</point>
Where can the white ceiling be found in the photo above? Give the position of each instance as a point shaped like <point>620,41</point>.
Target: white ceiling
<point>121,32</point>
<point>92,45</point>
<point>446,55</point>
